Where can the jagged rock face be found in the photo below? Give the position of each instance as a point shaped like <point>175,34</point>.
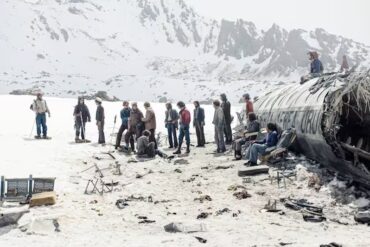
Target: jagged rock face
<point>238,39</point>
<point>157,37</point>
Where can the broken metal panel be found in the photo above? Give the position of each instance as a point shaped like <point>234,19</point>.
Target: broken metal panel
<point>326,112</point>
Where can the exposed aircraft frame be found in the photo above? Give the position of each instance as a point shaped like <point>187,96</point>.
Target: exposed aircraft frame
<point>331,115</point>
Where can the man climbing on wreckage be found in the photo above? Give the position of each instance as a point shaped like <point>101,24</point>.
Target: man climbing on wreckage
<point>259,147</point>
<point>316,67</point>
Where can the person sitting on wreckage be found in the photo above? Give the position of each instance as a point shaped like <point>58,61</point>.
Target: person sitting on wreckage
<point>252,127</point>
<point>146,148</point>
<point>259,147</point>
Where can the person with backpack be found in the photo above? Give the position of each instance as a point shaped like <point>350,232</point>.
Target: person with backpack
<point>100,119</point>
<point>134,126</point>
<point>40,107</point>
<point>185,119</point>
<point>226,107</point>
<point>198,123</point>
<point>219,123</point>
<point>81,114</point>
<point>125,115</point>
<point>150,122</point>
<point>172,124</point>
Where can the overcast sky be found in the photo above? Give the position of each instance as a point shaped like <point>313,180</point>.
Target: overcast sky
<point>349,18</point>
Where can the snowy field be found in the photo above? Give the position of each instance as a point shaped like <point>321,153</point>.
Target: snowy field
<point>94,220</point>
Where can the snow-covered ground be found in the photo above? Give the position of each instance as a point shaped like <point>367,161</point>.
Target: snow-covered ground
<point>87,220</point>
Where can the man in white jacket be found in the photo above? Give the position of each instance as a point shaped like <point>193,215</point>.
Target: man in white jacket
<point>219,123</point>
<point>40,107</point>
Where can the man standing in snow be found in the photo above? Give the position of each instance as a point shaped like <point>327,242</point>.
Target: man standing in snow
<point>219,123</point>
<point>198,124</point>
<point>172,124</point>
<point>40,107</point>
<point>125,115</point>
<point>82,115</point>
<point>134,124</point>
<point>226,107</point>
<point>150,122</point>
<point>100,118</point>
<point>185,119</point>
<point>248,104</point>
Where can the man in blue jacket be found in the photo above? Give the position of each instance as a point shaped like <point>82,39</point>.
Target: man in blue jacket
<point>316,66</point>
<point>259,147</point>
<point>125,115</point>
<point>198,124</point>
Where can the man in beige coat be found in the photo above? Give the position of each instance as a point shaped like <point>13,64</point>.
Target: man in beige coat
<point>40,107</point>
<point>150,122</point>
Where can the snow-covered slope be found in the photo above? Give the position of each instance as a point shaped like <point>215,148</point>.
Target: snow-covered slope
<point>94,220</point>
<point>62,46</point>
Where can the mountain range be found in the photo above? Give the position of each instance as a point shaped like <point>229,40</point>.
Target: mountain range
<point>68,47</point>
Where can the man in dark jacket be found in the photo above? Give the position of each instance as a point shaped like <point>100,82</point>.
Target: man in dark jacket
<point>172,124</point>
<point>144,146</point>
<point>125,115</point>
<point>198,123</point>
<point>150,122</point>
<point>259,147</point>
<point>252,127</point>
<point>100,118</point>
<point>81,114</point>
<point>185,119</point>
<point>135,126</point>
<point>226,107</point>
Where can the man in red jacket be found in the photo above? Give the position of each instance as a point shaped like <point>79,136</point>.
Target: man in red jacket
<point>185,119</point>
<point>248,104</point>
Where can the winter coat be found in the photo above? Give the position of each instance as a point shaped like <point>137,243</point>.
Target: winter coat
<point>199,115</point>
<point>40,106</point>
<point>316,67</point>
<point>219,118</point>
<point>271,139</point>
<point>225,105</point>
<point>142,144</point>
<point>135,119</point>
<point>253,126</point>
<point>125,115</point>
<point>149,119</point>
<point>174,117</point>
<point>249,107</point>
<point>100,116</point>
<point>185,117</point>
<point>81,109</point>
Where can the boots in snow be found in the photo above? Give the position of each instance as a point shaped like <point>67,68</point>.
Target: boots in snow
<point>178,150</point>
<point>187,149</point>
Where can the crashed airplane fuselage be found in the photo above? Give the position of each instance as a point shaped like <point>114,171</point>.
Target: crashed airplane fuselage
<point>331,115</point>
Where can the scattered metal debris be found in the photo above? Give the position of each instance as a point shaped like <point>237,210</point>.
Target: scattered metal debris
<point>203,216</point>
<point>242,195</point>
<point>203,198</point>
<point>201,240</point>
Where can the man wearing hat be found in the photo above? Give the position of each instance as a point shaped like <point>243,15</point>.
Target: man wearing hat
<point>100,117</point>
<point>40,107</point>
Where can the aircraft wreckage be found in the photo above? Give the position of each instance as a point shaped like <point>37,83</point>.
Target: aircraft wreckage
<point>331,115</point>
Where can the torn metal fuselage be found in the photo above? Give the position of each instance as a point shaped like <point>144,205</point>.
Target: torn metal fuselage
<point>331,115</point>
